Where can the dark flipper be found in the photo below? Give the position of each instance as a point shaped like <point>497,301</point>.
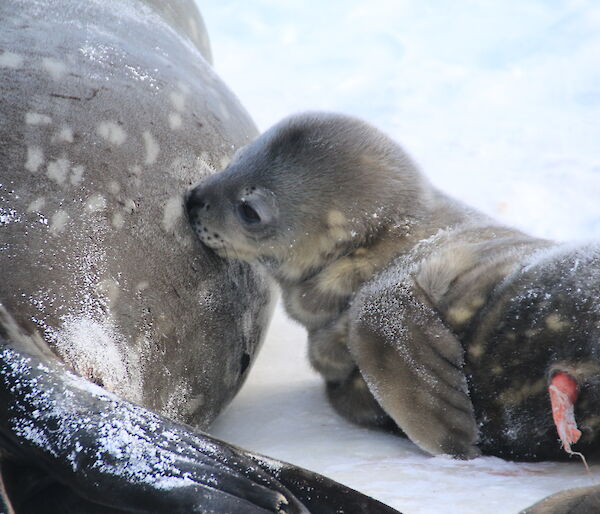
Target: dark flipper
<point>583,500</point>
<point>70,446</point>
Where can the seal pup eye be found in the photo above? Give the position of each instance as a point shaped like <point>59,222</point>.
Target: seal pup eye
<point>248,214</point>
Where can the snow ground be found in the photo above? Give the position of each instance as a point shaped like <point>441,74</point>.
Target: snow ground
<point>500,104</point>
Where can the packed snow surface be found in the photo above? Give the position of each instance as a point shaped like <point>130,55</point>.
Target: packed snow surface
<point>499,103</point>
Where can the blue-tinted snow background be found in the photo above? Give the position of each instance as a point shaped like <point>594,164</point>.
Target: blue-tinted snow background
<point>499,102</point>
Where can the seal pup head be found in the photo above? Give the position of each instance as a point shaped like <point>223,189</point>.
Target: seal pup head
<point>313,187</point>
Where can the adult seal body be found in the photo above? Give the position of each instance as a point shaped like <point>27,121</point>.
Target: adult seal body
<point>464,333</point>
<point>109,111</point>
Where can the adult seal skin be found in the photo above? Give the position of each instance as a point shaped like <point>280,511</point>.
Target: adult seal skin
<point>109,111</point>
<point>470,336</point>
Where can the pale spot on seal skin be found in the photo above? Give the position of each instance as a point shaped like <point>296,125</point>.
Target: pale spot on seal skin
<point>35,158</point>
<point>172,212</point>
<point>96,203</point>
<point>174,120</point>
<point>117,220</point>
<point>141,286</point>
<point>76,174</point>
<point>65,135</point>
<point>58,221</point>
<point>112,132</point>
<point>58,170</point>
<point>10,60</point>
<point>476,351</point>
<point>152,148</point>
<point>460,314</point>
<point>36,205</point>
<point>178,100</point>
<point>110,289</point>
<point>114,187</point>
<point>224,161</point>
<point>555,323</point>
<point>55,68</point>
<point>35,118</point>
<point>335,218</point>
<point>130,206</point>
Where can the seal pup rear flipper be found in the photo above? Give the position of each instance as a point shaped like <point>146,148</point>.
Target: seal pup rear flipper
<point>83,450</point>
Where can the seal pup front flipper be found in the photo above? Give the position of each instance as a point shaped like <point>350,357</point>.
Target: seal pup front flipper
<point>70,447</point>
<point>413,364</point>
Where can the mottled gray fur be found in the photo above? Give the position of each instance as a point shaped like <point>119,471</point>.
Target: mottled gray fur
<point>418,308</point>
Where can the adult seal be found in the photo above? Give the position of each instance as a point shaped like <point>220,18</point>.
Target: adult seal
<point>109,111</point>
<point>470,336</point>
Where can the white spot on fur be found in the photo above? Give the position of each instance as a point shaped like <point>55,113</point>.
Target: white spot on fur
<point>65,135</point>
<point>152,148</point>
<point>35,118</point>
<point>55,68</point>
<point>112,132</point>
<point>460,314</point>
<point>178,100</point>
<point>114,187</point>
<point>59,221</point>
<point>58,170</point>
<point>96,203</point>
<point>10,60</point>
<point>110,289</point>
<point>36,205</point>
<point>476,351</point>
<point>143,285</point>
<point>224,161</point>
<point>130,206</point>
<point>76,174</point>
<point>172,212</point>
<point>174,120</point>
<point>335,218</point>
<point>555,323</point>
<point>35,158</point>
<point>117,220</point>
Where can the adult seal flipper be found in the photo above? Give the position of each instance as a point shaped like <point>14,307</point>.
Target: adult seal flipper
<point>73,447</point>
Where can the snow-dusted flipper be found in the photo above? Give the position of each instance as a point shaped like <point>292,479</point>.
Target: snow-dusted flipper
<point>413,365</point>
<point>69,446</point>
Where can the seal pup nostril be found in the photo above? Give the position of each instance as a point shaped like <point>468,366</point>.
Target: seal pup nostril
<point>194,202</point>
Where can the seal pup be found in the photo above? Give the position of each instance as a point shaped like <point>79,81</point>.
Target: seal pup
<point>466,333</point>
